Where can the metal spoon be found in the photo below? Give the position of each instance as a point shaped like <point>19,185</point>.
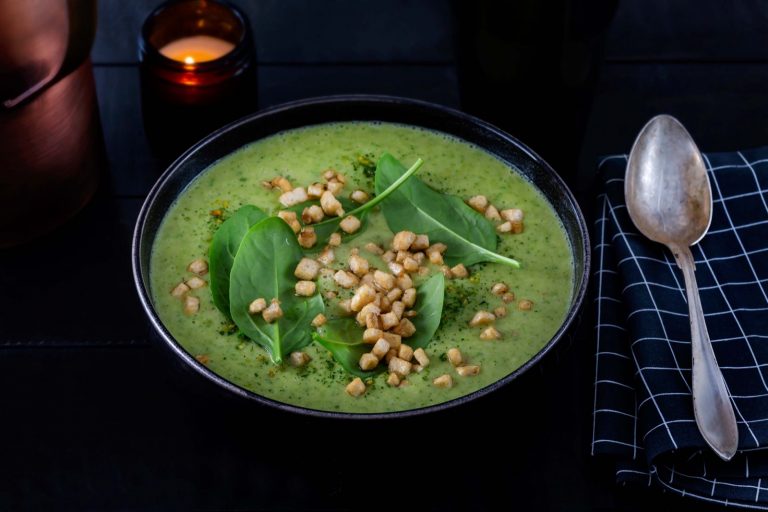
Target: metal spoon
<point>670,201</point>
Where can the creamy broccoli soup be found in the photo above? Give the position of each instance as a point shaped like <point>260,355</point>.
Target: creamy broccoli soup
<point>407,303</point>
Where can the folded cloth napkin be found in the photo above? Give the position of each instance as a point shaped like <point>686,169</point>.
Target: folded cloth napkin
<point>643,409</point>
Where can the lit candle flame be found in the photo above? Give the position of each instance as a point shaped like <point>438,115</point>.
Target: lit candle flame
<point>189,59</point>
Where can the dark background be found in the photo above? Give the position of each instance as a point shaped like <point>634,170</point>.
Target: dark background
<point>92,416</point>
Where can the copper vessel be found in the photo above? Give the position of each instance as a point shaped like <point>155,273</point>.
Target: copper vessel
<point>51,145</point>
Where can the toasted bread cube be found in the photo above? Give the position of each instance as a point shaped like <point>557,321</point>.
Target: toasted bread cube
<point>350,224</point>
<point>319,320</point>
<point>359,196</point>
<point>198,266</point>
<point>482,318</point>
<point>191,305</point>
<point>295,196</point>
<point>331,205</point>
<point>315,190</point>
<point>396,268</point>
<point>388,256</point>
<point>459,271</point>
<point>307,237</point>
<point>282,183</point>
<point>345,279</point>
<point>405,352</point>
<point>290,219</point>
<point>345,307</point>
<point>383,281</point>
<point>405,328</point>
<point>327,256</point>
<point>385,304</point>
<point>394,340</point>
<point>257,306</point>
<point>455,357</point>
<point>444,381</point>
<point>380,348</point>
<point>312,214</point>
<point>180,290</point>
<point>409,297</point>
<point>410,313</point>
<point>390,354</point>
<point>500,312</point>
<point>341,178</point>
<point>403,240</point>
<point>362,316</point>
<point>305,288</point>
<point>499,289</point>
<point>508,297</point>
<point>307,269</point>
<point>393,380</point>
<point>372,321</point>
<point>368,362</point>
<point>401,255</point>
<point>404,282</point>
<point>399,366</point>
<point>435,257</point>
<point>398,308</point>
<point>525,305</point>
<point>299,359</point>
<point>469,370</point>
<point>421,356</point>
<point>418,257</point>
<point>420,243</point>
<point>335,187</point>
<point>410,265</point>
<point>394,294</point>
<point>512,215</point>
<point>358,265</point>
<point>373,249</point>
<point>417,368</point>
<point>478,203</point>
<point>272,312</point>
<point>492,213</point>
<point>438,247</point>
<point>334,240</point>
<point>367,279</point>
<point>329,174</point>
<point>445,269</point>
<point>506,227</point>
<point>491,333</point>
<point>356,387</point>
<point>364,295</point>
<point>388,321</point>
<point>371,336</point>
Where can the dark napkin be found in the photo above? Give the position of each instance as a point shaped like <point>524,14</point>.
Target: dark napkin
<point>643,410</point>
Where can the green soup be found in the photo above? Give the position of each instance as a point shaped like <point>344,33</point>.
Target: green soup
<point>452,166</point>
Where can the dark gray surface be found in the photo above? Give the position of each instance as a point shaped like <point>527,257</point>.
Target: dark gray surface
<point>94,416</point>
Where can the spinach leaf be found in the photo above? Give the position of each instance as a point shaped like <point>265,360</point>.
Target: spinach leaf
<point>221,253</point>
<point>343,338</point>
<point>429,306</point>
<point>324,229</point>
<point>263,267</point>
<point>417,207</point>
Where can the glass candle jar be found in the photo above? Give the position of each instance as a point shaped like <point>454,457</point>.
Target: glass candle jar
<point>197,71</point>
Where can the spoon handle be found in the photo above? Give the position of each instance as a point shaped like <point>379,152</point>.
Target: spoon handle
<point>711,401</point>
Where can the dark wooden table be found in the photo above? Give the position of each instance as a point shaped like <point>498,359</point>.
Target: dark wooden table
<point>92,415</point>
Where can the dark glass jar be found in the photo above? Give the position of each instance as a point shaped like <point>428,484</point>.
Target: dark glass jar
<point>184,101</point>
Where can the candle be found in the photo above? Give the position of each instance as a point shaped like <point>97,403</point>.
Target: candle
<point>197,71</point>
<point>194,49</point>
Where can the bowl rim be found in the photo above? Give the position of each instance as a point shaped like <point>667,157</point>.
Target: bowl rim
<point>221,382</point>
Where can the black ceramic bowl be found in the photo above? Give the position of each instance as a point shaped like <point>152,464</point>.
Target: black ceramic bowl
<point>354,108</point>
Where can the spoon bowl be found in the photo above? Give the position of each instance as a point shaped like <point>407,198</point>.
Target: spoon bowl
<point>669,199</point>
